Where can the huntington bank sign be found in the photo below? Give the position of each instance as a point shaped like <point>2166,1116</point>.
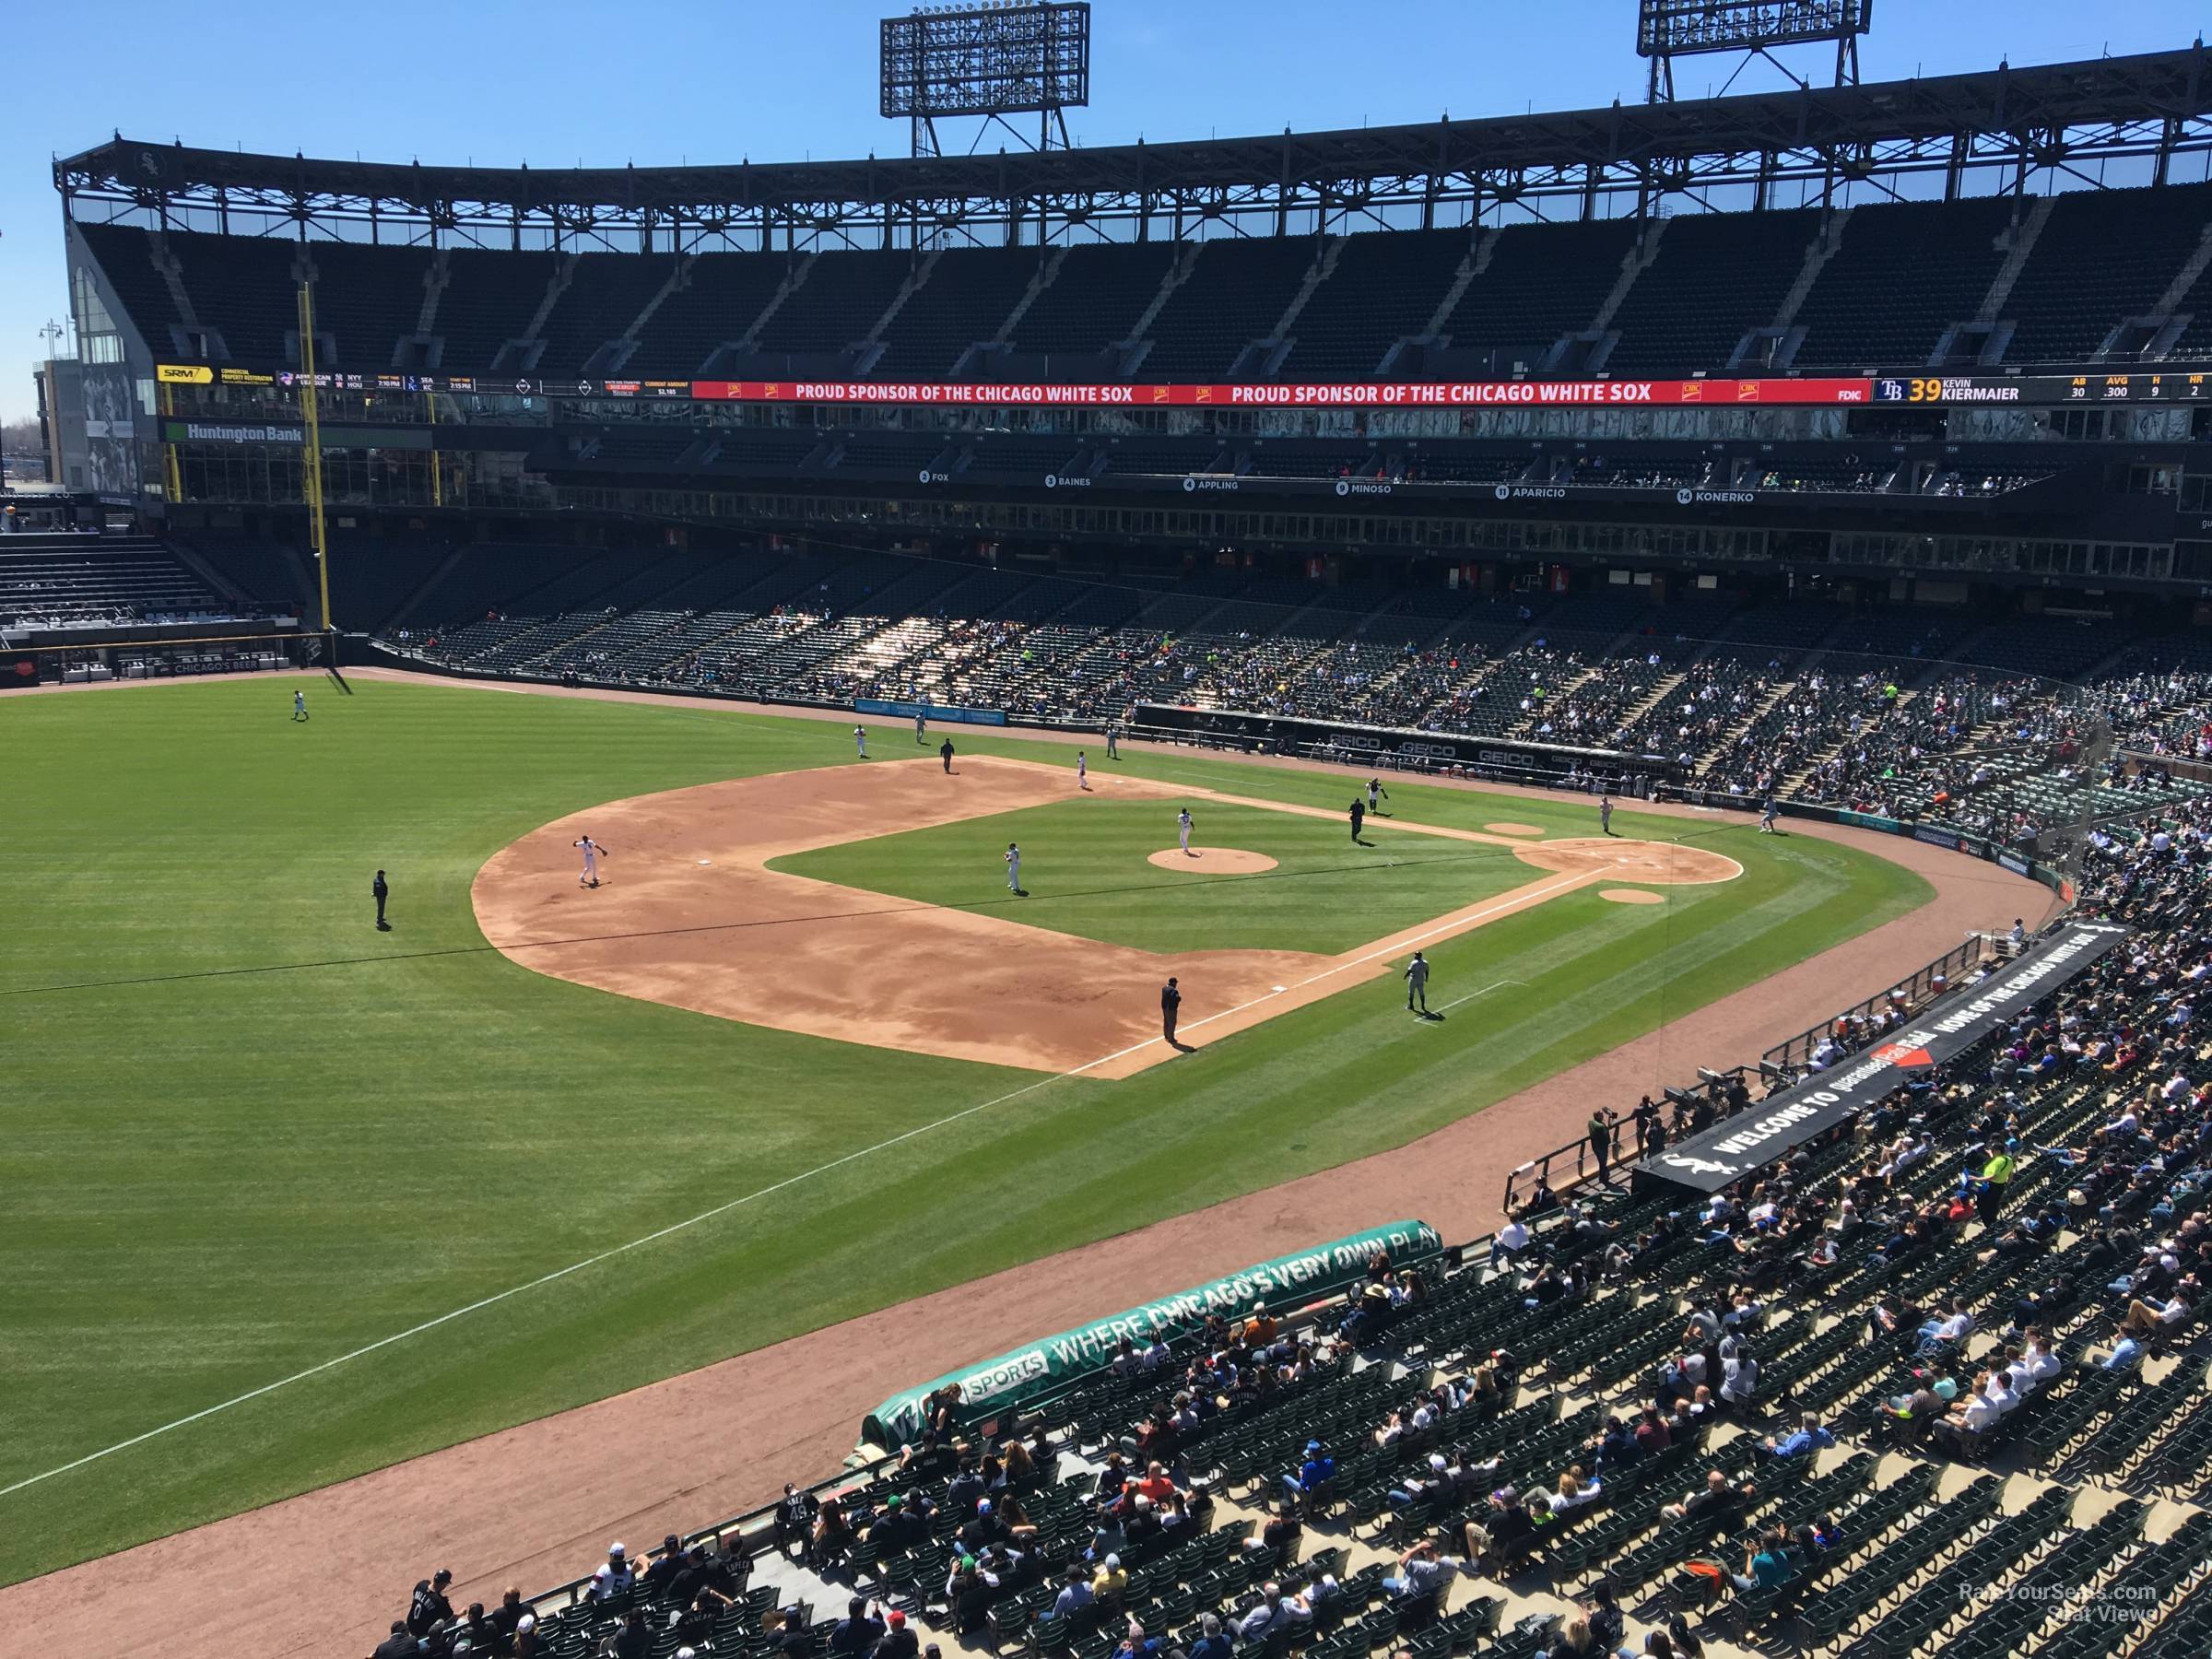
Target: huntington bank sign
<point>1946,1028</point>
<point>1038,1369</point>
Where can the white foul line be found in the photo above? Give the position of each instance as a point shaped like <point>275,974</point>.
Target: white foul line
<point>707,1215</point>
<point>1471,996</point>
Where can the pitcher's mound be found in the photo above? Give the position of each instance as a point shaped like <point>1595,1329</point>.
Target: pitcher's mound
<point>1629,896</point>
<point>1212,861</point>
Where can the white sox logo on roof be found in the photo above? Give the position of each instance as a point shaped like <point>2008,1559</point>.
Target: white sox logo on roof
<point>1697,1166</point>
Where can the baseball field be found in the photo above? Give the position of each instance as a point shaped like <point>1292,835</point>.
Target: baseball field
<point>290,1198</point>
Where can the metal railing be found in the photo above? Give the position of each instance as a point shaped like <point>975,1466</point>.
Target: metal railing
<point>1566,1166</point>
<point>1909,996</point>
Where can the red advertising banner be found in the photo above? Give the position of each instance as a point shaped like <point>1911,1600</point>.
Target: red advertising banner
<point>1379,395</point>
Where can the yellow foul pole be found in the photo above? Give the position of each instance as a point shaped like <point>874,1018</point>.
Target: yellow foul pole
<point>311,468</point>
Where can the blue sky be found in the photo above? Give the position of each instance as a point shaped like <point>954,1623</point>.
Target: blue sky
<point>557,82</point>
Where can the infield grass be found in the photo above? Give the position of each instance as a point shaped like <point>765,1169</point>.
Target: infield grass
<point>247,1133</point>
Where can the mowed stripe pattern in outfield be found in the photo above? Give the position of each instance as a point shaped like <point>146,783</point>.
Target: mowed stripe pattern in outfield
<point>291,1136</point>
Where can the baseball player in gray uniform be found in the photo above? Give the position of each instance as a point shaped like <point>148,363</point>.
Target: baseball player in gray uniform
<point>1013,868</point>
<point>1416,981</point>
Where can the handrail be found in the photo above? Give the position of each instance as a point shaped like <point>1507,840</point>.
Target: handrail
<point>1921,987</point>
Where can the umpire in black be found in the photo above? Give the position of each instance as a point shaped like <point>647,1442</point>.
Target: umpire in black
<point>1171,1005</point>
<point>383,890</point>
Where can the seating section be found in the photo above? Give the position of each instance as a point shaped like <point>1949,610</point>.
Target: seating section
<point>1901,273</point>
<point>1998,731</point>
<point>1717,275</point>
<point>53,583</point>
<point>2100,260</point>
<point>1235,293</point>
<point>1384,289</point>
<point>1541,282</point>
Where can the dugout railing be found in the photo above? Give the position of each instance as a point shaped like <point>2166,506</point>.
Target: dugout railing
<point>1847,1029</point>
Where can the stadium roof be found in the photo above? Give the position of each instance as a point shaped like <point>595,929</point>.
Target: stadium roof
<point>2059,115</point>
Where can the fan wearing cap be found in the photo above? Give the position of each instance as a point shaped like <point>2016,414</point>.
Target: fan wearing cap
<point>984,1530</point>
<point>899,1641</point>
<point>429,1608</point>
<point>1111,1582</point>
<point>612,1577</point>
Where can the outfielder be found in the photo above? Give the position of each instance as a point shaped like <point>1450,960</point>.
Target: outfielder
<point>591,850</point>
<point>1416,981</point>
<point>298,705</point>
<point>860,740</point>
<point>1183,831</point>
<point>1013,868</point>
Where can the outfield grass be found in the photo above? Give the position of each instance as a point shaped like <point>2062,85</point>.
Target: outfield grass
<point>247,1133</point>
<point>1084,868</point>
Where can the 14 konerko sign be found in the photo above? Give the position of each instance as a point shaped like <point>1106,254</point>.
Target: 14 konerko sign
<point>1710,1160</point>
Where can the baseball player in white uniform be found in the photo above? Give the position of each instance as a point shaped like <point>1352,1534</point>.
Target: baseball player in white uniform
<point>1376,794</point>
<point>591,851</point>
<point>1013,868</point>
<point>298,705</point>
<point>1082,772</point>
<point>860,740</point>
<point>1604,813</point>
<point>1182,829</point>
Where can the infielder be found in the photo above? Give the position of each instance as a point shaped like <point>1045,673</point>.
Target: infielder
<point>1013,868</point>
<point>298,705</point>
<point>921,720</point>
<point>860,740</point>
<point>1082,772</point>
<point>1767,813</point>
<point>1416,981</point>
<point>1183,831</point>
<point>591,850</point>
<point>1113,741</point>
<point>1376,794</point>
<point>1604,813</point>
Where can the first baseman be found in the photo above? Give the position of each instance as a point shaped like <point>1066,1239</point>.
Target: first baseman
<point>591,850</point>
<point>1416,981</point>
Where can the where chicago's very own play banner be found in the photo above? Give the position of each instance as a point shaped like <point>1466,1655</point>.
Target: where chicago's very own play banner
<point>1040,1369</point>
<point>1954,1022</point>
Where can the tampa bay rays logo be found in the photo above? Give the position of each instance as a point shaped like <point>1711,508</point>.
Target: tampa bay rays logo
<point>1697,1166</point>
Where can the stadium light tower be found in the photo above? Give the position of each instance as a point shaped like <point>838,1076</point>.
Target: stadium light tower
<point>1666,30</point>
<point>1022,57</point>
